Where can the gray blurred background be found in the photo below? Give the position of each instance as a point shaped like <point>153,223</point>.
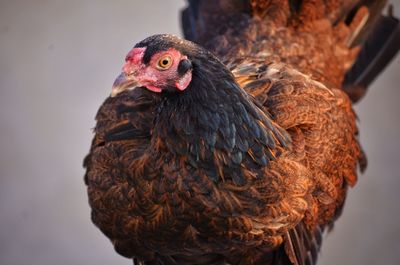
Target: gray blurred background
<point>58,60</point>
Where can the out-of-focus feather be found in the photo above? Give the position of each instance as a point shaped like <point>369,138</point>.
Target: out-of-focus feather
<point>377,51</point>
<point>375,9</point>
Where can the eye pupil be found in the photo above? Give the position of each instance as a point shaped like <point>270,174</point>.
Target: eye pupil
<point>164,62</point>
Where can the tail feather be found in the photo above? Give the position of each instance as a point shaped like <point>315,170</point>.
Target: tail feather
<point>377,51</point>
<point>202,19</point>
<point>189,20</point>
<point>348,14</point>
<point>377,36</point>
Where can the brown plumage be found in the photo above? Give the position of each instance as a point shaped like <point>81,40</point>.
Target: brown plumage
<point>194,162</point>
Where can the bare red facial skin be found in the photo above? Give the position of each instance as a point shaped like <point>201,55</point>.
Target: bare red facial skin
<point>151,76</point>
<point>184,81</point>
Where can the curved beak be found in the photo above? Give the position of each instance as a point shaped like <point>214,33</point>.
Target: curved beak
<point>123,83</point>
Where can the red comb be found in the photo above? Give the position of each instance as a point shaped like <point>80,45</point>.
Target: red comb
<point>135,55</point>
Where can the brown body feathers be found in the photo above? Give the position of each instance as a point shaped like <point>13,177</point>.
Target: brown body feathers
<point>253,161</point>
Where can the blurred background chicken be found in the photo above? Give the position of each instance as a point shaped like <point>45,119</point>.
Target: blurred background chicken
<point>58,61</point>
<point>187,168</point>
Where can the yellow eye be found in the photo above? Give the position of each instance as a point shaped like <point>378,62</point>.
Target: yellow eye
<point>164,62</point>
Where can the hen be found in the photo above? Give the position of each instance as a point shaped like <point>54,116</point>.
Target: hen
<point>245,160</point>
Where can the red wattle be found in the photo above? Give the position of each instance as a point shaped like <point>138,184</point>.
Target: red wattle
<point>154,89</point>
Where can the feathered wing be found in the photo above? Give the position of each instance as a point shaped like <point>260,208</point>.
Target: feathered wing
<point>321,123</point>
